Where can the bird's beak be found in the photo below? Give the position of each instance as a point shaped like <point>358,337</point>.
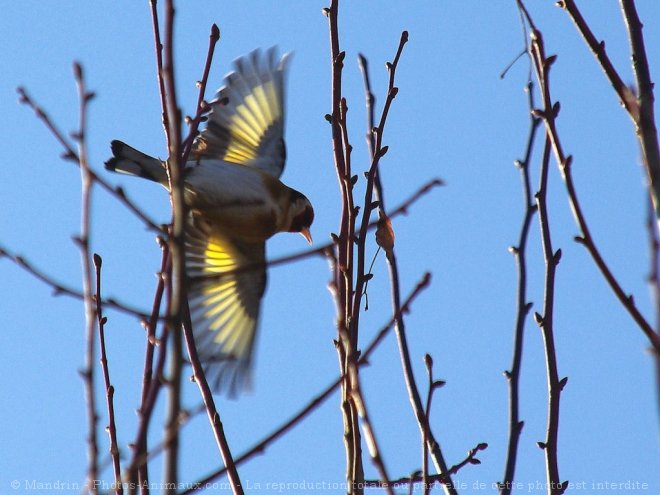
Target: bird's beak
<point>306,234</point>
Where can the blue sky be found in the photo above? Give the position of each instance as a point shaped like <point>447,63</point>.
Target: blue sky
<point>453,118</point>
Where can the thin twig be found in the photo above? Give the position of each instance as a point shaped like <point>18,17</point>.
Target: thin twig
<point>148,382</point>
<point>377,152</point>
<point>185,419</point>
<point>201,104</point>
<point>171,122</point>
<point>140,454</point>
<point>88,295</point>
<point>109,389</point>
<point>343,289</point>
<point>654,279</point>
<point>545,320</point>
<point>546,323</point>
<point>177,250</point>
<point>432,387</point>
<point>645,118</point>
<point>523,306</point>
<point>209,403</point>
<point>158,45</point>
<point>368,429</point>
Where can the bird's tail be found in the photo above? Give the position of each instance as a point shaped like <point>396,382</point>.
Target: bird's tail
<point>128,160</point>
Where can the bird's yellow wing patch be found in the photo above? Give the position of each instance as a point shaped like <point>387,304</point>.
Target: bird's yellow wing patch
<point>226,282</point>
<point>246,122</point>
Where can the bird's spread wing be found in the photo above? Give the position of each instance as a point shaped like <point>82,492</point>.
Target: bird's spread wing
<point>224,309</point>
<point>246,121</point>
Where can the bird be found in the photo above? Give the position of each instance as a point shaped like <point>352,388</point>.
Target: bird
<point>235,202</point>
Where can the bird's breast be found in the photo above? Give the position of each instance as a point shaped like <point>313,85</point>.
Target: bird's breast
<point>240,201</point>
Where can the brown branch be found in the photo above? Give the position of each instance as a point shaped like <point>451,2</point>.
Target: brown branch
<point>185,419</point>
<point>645,118</point>
<point>138,471</point>
<point>402,209</point>
<point>109,389</point>
<point>370,101</point>
<point>523,306</point>
<point>209,403</point>
<point>378,151</point>
<point>654,279</point>
<point>158,45</point>
<point>261,446</point>
<point>174,167</point>
<point>545,320</point>
<point>367,428</point>
<point>343,289</point>
<point>201,104</point>
<point>83,245</point>
<point>433,385</point>
<point>138,466</point>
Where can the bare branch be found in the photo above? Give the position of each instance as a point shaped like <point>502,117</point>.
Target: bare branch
<point>83,245</point>
<point>645,118</point>
<point>523,306</point>
<point>209,403</point>
<point>158,45</point>
<point>433,385</point>
<point>654,279</point>
<point>109,389</point>
<point>138,467</point>
<point>368,429</point>
<point>202,107</point>
<point>545,322</point>
<point>177,154</point>
<point>138,471</point>
<point>347,340</point>
<point>176,296</point>
<point>378,151</point>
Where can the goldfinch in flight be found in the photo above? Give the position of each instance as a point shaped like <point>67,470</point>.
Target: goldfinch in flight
<point>236,202</point>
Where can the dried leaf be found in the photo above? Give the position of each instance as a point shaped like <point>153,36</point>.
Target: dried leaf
<point>385,234</point>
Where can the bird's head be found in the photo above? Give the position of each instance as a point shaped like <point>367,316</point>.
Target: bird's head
<point>301,214</point>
